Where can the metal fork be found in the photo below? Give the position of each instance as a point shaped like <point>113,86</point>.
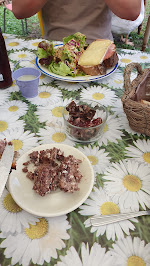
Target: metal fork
<point>98,220</point>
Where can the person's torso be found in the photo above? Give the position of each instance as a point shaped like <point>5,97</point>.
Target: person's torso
<point>64,17</point>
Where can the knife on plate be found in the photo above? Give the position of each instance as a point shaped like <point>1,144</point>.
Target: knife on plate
<point>5,165</point>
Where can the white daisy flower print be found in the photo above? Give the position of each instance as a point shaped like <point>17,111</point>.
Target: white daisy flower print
<point>98,157</point>
<point>33,44</point>
<point>118,108</point>
<point>4,96</point>
<point>70,86</point>
<point>8,36</point>
<point>13,88</point>
<point>97,256</point>
<point>16,107</point>
<point>22,55</point>
<point>125,59</point>
<point>52,113</point>
<point>112,131</point>
<point>44,79</point>
<point>9,121</point>
<point>38,243</point>
<point>142,57</point>
<point>104,96</point>
<point>13,218</point>
<point>46,95</point>
<point>131,252</point>
<point>115,81</point>
<point>23,141</point>
<point>128,51</point>
<point>128,183</point>
<point>124,123</point>
<point>14,43</point>
<point>28,63</point>
<point>99,203</point>
<point>133,57</point>
<point>140,151</point>
<point>53,135</point>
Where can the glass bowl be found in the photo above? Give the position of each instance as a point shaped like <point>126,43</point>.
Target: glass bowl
<point>79,124</point>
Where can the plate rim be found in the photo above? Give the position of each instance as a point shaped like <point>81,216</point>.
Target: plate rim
<point>86,78</point>
<point>59,213</point>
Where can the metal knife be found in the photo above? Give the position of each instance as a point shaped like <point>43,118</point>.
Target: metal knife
<point>5,165</point>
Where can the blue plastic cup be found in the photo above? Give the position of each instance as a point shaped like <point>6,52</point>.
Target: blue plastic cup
<point>28,88</point>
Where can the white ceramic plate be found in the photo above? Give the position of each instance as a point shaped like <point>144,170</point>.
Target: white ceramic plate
<point>86,78</point>
<point>55,203</point>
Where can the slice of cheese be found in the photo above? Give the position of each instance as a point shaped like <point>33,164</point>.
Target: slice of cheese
<point>95,53</point>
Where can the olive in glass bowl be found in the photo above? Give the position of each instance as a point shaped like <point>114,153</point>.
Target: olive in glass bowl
<point>84,120</point>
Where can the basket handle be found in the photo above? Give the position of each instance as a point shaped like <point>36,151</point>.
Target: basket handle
<point>127,74</point>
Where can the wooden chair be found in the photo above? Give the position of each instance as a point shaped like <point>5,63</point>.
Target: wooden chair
<point>146,35</point>
<point>9,8</point>
<point>41,22</point>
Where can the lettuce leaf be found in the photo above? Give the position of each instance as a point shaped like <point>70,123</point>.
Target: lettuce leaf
<point>62,60</point>
<point>66,55</point>
<point>45,49</point>
<point>41,53</point>
<point>60,69</point>
<point>76,36</point>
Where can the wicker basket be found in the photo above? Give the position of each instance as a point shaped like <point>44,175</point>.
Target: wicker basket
<point>136,98</point>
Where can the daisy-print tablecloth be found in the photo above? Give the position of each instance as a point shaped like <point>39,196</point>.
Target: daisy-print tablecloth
<point>120,160</point>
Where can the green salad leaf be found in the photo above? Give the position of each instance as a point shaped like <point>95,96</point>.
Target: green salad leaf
<point>60,68</point>
<point>63,60</point>
<point>45,49</point>
<point>76,36</point>
<point>41,53</point>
